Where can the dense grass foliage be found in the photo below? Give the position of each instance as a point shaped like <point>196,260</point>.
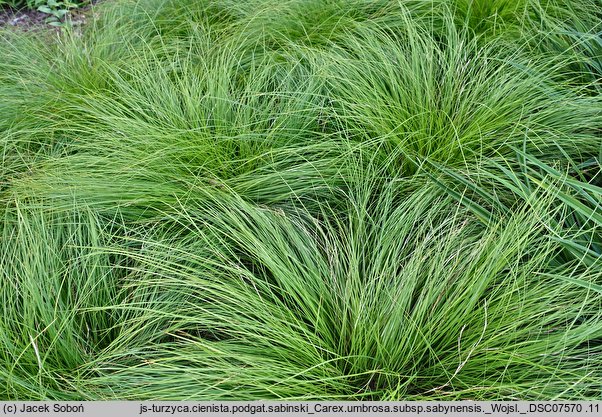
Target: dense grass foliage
<point>314,199</point>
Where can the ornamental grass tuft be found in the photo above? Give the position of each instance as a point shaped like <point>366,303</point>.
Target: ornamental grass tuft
<point>314,200</point>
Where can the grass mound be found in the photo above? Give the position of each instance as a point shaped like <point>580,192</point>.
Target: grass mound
<point>321,199</point>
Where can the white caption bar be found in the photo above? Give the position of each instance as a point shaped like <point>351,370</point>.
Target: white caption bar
<point>270,408</point>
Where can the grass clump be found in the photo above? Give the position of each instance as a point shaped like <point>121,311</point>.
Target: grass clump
<point>314,200</point>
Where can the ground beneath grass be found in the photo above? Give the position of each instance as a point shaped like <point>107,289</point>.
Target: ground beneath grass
<point>28,20</point>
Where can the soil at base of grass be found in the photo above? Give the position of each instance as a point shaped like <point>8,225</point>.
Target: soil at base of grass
<point>28,20</point>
